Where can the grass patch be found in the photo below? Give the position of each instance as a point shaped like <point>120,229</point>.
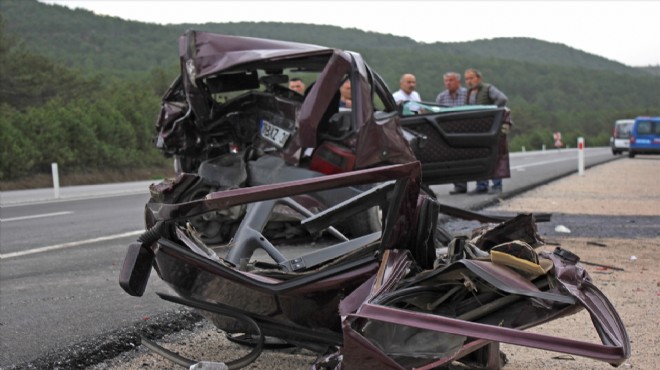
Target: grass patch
<point>44,180</point>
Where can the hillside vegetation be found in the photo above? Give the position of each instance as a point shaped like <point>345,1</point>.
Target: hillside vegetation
<point>83,90</point>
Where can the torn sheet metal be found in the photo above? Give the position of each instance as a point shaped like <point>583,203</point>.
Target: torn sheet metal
<point>382,301</point>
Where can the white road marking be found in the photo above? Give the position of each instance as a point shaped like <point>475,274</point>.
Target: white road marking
<point>35,216</point>
<point>69,245</point>
<point>541,163</point>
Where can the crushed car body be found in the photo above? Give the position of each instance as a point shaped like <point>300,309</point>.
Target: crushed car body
<point>228,122</point>
<point>397,294</point>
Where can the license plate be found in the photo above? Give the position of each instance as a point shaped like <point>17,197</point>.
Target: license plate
<point>274,134</point>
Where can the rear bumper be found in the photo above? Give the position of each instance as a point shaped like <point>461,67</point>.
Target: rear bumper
<point>645,150</point>
<point>620,144</point>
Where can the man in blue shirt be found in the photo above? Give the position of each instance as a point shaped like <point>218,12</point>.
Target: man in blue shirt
<point>453,96</point>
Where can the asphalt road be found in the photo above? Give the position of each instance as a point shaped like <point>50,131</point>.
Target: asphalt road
<point>528,170</point>
<point>60,258</point>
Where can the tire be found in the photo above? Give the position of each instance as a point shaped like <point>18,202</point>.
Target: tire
<point>443,236</point>
<point>364,223</point>
<point>631,154</point>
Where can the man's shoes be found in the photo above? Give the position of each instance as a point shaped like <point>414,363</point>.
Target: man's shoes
<point>495,191</point>
<point>478,191</point>
<point>458,191</point>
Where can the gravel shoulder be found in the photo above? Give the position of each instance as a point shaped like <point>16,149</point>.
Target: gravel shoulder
<point>627,187</point>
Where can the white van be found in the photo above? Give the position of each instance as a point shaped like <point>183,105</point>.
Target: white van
<point>620,140</point>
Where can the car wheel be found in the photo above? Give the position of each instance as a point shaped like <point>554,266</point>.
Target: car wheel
<point>631,154</point>
<point>364,223</point>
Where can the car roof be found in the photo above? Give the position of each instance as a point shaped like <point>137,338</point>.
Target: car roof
<point>624,121</point>
<point>211,53</point>
<point>647,118</point>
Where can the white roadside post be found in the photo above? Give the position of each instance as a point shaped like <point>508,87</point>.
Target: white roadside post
<point>580,144</point>
<point>56,180</point>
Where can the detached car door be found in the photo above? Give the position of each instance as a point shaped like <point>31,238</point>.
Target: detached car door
<point>457,144</point>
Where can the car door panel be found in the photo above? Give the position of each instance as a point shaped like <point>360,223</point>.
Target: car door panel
<point>458,146</point>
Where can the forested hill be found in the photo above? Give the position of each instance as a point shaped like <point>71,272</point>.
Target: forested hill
<point>82,39</point>
<point>89,85</point>
<point>654,70</point>
<point>539,52</point>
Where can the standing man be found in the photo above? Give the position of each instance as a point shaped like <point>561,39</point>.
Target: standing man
<point>406,90</point>
<point>297,85</point>
<point>483,94</point>
<point>453,96</point>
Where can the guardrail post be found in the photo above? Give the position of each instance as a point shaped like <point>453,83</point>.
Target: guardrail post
<point>56,180</point>
<point>580,144</point>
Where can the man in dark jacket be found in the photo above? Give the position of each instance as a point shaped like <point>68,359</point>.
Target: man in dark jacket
<point>483,94</point>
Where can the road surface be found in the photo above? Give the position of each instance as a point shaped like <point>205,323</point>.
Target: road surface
<point>60,258</point>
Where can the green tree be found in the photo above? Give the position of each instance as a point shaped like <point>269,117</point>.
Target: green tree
<point>18,153</point>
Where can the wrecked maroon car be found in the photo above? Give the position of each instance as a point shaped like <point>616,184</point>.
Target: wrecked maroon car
<point>398,295</point>
<point>229,121</point>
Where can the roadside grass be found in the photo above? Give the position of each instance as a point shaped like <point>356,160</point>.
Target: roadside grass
<point>45,180</point>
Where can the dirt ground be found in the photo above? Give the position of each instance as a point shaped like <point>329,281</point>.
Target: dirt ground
<point>634,292</point>
<point>623,187</point>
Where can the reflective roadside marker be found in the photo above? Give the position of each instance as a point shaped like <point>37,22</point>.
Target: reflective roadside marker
<point>56,180</point>
<point>580,144</point>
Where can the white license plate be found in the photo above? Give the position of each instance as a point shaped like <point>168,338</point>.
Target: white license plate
<point>274,134</point>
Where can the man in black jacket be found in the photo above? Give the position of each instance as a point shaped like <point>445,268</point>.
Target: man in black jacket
<point>483,94</point>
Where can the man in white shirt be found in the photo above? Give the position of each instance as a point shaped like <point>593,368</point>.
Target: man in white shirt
<point>406,90</point>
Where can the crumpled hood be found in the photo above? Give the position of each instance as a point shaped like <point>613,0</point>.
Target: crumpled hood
<point>212,53</point>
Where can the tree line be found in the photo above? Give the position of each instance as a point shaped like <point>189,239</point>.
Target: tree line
<point>49,113</point>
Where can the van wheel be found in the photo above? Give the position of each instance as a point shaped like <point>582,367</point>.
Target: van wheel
<point>616,152</point>
<point>631,154</point>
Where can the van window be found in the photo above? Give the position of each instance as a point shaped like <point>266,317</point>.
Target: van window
<point>623,130</point>
<point>644,128</point>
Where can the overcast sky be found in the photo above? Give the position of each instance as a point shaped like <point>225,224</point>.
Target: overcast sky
<point>623,31</point>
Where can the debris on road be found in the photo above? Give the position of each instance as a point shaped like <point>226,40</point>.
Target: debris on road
<point>562,229</point>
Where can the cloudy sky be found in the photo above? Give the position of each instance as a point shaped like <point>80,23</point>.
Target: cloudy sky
<point>624,31</point>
